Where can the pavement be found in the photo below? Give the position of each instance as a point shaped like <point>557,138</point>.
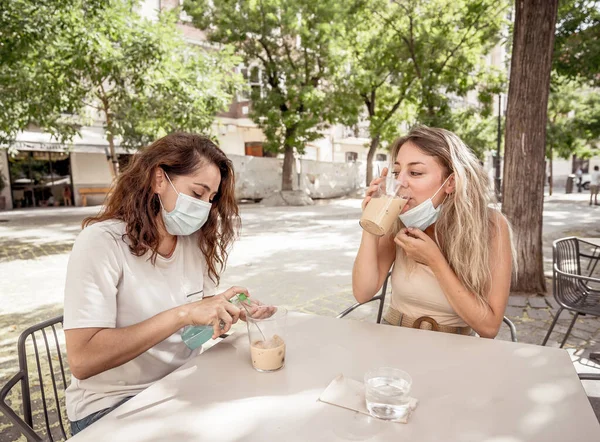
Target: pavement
<point>298,257</point>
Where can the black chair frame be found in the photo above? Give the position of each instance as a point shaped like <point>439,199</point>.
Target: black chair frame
<point>572,291</point>
<point>25,423</point>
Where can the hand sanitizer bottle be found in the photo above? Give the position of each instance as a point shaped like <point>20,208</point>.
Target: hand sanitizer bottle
<point>195,335</point>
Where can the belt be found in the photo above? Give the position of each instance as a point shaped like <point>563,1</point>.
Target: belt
<point>394,317</point>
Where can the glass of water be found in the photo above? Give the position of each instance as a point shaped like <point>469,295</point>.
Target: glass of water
<point>387,393</point>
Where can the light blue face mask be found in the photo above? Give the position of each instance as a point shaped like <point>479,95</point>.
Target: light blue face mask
<point>424,214</point>
<point>188,216</point>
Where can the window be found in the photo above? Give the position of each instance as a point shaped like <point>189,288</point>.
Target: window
<point>381,157</point>
<point>252,75</point>
<point>351,157</point>
<point>254,149</point>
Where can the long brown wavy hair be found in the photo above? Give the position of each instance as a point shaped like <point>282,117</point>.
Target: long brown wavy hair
<point>133,201</point>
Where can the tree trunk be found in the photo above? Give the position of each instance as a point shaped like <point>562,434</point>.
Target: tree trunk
<point>372,149</point>
<point>526,119</point>
<point>287,179</point>
<point>114,160</point>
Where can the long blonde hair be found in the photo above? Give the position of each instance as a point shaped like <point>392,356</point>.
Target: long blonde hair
<point>466,223</point>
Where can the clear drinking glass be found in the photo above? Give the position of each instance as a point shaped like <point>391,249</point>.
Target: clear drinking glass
<point>384,207</point>
<point>266,331</point>
<point>387,392</point>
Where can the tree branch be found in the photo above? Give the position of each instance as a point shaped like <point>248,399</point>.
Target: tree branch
<point>462,40</point>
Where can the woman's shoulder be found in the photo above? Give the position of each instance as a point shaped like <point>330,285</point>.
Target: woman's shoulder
<point>499,225</point>
<point>102,231</point>
<point>496,217</point>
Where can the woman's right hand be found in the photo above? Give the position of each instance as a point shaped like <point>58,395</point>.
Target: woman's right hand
<point>216,311</point>
<point>372,189</point>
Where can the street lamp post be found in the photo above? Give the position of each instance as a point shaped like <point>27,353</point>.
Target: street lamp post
<point>497,179</point>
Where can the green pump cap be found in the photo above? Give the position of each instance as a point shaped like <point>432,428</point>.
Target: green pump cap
<point>241,297</point>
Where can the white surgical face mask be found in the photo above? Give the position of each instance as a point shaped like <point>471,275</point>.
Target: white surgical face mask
<point>424,214</point>
<point>188,216</point>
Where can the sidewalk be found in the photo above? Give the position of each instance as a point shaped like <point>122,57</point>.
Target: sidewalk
<point>298,257</point>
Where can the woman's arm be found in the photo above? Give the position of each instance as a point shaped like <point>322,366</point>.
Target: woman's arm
<point>485,320</point>
<point>373,261</point>
<point>375,255</point>
<point>91,351</point>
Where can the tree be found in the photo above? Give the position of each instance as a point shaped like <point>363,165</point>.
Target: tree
<point>375,76</point>
<point>569,106</point>
<point>526,119</point>
<point>145,81</point>
<point>447,41</point>
<point>407,61</point>
<point>476,127</point>
<point>573,113</point>
<point>295,44</point>
<point>138,75</point>
<point>577,46</point>
<point>33,83</point>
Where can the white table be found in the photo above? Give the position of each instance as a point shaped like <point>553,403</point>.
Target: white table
<point>470,389</point>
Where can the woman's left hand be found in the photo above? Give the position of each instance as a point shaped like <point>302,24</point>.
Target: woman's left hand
<point>419,246</point>
<point>256,310</point>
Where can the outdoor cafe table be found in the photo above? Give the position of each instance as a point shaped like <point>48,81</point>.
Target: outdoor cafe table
<point>469,389</point>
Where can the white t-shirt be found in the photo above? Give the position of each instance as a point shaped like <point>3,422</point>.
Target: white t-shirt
<point>595,179</point>
<point>107,286</point>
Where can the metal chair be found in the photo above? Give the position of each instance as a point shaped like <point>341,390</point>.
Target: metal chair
<point>48,364</point>
<point>572,291</point>
<point>589,376</point>
<point>512,328</point>
<point>381,298</point>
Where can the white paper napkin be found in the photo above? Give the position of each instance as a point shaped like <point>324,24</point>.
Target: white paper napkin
<point>350,394</point>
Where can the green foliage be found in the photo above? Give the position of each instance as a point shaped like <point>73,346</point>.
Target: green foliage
<point>35,85</point>
<point>577,44</point>
<point>447,41</point>
<point>574,103</point>
<point>93,59</point>
<point>415,62</point>
<point>296,44</point>
<point>478,131</point>
<point>376,79</point>
<point>573,119</point>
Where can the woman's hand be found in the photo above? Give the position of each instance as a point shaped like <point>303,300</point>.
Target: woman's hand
<point>255,309</point>
<point>419,246</point>
<point>217,311</point>
<point>372,189</point>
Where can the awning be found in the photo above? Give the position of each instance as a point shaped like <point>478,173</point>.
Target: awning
<point>91,140</point>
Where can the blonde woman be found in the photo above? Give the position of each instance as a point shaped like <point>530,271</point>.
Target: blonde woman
<point>451,252</point>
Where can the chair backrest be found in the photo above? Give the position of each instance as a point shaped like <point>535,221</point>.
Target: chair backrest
<point>566,255</point>
<point>566,259</point>
<point>512,328</point>
<point>43,382</point>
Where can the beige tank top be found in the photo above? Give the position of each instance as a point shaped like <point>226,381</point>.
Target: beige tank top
<point>416,292</point>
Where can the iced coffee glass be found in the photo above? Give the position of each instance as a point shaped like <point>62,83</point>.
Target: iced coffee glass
<point>267,339</point>
<point>384,207</point>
